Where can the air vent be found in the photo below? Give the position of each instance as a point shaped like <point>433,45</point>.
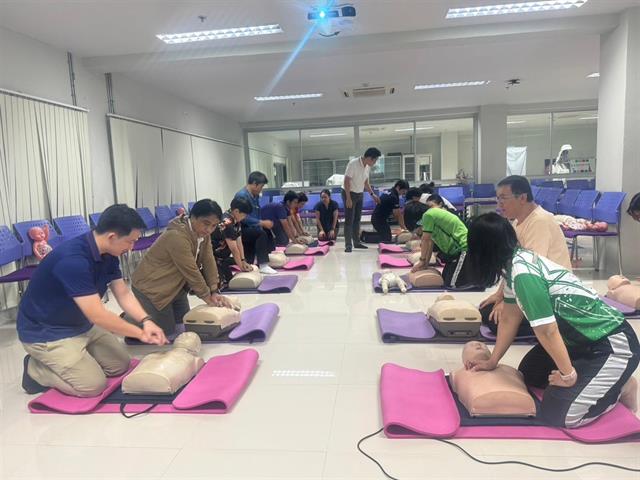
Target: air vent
<point>368,91</point>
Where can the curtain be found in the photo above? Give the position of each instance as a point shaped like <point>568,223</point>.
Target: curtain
<point>155,166</point>
<point>45,169</point>
<point>516,160</point>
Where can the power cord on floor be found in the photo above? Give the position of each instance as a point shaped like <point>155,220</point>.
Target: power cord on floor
<point>486,462</point>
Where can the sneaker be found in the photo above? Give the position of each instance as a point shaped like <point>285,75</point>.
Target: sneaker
<point>29,385</point>
<point>361,246</point>
<point>347,249</point>
<point>267,270</point>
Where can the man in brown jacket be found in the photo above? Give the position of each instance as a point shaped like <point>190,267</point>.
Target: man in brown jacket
<point>179,261</point>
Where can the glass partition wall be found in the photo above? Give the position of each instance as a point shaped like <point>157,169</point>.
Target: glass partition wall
<point>415,151</point>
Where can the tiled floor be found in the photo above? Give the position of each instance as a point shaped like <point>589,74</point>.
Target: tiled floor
<point>283,427</point>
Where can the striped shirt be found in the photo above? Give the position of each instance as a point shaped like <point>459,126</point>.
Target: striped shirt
<point>547,292</point>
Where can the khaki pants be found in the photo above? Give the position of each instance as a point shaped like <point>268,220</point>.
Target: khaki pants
<point>80,365</point>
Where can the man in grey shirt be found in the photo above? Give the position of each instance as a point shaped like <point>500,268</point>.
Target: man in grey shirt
<point>356,180</point>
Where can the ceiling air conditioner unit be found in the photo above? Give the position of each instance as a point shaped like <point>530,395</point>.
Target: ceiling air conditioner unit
<point>368,91</point>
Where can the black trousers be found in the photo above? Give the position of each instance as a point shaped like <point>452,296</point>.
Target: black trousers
<point>169,316</point>
<point>224,265</point>
<point>457,270</point>
<point>524,329</point>
<point>603,368</point>
<point>383,228</point>
<point>257,242</point>
<point>327,228</point>
<point>352,218</point>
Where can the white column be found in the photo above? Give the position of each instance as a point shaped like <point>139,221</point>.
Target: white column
<point>449,154</point>
<point>618,150</point>
<point>492,143</point>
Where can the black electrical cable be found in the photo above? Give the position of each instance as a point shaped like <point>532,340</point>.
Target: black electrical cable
<point>503,462</point>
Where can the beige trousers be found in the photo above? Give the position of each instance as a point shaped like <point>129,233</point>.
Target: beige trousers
<point>80,365</point>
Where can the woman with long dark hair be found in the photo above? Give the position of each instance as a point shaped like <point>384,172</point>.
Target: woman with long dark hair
<point>587,351</point>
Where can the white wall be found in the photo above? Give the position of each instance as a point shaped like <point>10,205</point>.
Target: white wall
<point>35,68</point>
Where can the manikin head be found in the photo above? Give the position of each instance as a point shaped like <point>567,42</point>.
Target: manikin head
<point>371,156</point>
<point>189,341</point>
<point>204,216</point>
<point>37,234</point>
<point>180,211</point>
<point>118,229</point>
<point>514,196</point>
<point>240,208</point>
<point>256,182</point>
<point>475,351</point>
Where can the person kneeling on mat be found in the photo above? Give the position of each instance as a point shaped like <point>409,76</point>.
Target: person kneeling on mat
<point>279,214</point>
<point>445,233</point>
<point>296,221</point>
<point>587,351</point>
<point>389,204</point>
<point>62,322</point>
<point>226,240</point>
<point>179,261</point>
<point>327,212</point>
<point>257,239</point>
<point>413,210</point>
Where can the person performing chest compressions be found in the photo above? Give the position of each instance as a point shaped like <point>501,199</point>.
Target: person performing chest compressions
<point>179,261</point>
<point>444,233</point>
<point>389,205</point>
<point>587,351</point>
<point>62,323</point>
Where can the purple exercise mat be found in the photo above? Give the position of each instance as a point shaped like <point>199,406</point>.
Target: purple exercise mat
<point>271,284</point>
<point>404,327</point>
<point>255,326</point>
<point>626,310</point>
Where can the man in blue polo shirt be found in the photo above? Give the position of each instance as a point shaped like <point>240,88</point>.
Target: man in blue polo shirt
<point>279,213</point>
<point>62,322</point>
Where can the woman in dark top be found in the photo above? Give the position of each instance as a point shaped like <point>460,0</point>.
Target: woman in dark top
<point>327,216</point>
<point>226,240</point>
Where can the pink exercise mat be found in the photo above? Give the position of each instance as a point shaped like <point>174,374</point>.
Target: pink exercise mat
<point>417,404</point>
<point>389,261</point>
<point>215,389</point>
<point>391,248</point>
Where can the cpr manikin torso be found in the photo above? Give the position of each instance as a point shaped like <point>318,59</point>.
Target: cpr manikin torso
<point>455,318</point>
<point>246,280</point>
<point>428,277</point>
<point>305,239</point>
<point>413,245</point>
<point>295,249</point>
<point>404,237</point>
<point>210,322</point>
<point>621,290</point>
<point>277,259</point>
<point>166,372</point>
<point>499,392</point>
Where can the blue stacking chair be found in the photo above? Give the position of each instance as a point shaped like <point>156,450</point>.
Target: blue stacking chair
<point>548,198</point>
<point>553,184</point>
<point>535,191</point>
<point>579,184</point>
<point>583,206</point>
<point>164,215</point>
<point>11,252</point>
<point>191,204</point>
<point>94,218</point>
<point>277,199</point>
<point>264,200</point>
<point>454,194</point>
<point>71,226</point>
<point>566,202</point>
<point>538,182</point>
<point>22,230</point>
<point>314,198</point>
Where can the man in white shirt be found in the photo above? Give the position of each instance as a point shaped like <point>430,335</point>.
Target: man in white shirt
<point>356,180</point>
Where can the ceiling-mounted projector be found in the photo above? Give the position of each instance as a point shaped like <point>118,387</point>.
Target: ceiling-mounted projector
<point>330,21</point>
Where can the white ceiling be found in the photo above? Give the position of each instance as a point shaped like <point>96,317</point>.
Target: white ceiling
<point>399,43</point>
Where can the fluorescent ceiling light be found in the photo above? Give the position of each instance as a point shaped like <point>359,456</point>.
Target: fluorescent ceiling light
<point>303,373</point>
<point>300,96</point>
<point>513,122</point>
<point>318,135</point>
<point>594,75</point>
<point>411,129</point>
<point>589,118</point>
<point>522,7</point>
<point>222,33</point>
<point>475,83</point>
